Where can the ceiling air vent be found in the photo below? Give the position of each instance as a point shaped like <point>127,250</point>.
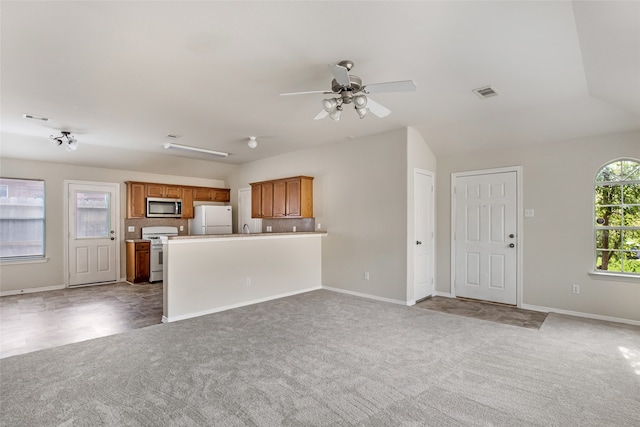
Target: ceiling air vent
<point>486,92</point>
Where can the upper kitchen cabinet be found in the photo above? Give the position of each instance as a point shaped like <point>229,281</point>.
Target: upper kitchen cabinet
<point>205,194</point>
<point>262,200</point>
<point>163,190</point>
<point>187,202</point>
<point>137,193</point>
<point>292,198</point>
<point>136,200</point>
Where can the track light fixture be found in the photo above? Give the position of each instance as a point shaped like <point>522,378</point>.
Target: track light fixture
<point>333,106</point>
<point>65,138</point>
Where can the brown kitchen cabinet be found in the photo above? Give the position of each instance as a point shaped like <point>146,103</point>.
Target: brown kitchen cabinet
<point>262,200</point>
<point>136,200</point>
<point>206,194</point>
<point>138,260</point>
<point>137,193</point>
<point>164,190</point>
<point>187,202</point>
<point>291,198</point>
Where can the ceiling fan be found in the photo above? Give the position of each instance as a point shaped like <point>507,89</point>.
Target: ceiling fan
<point>349,89</point>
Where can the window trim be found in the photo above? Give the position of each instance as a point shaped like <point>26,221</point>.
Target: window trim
<point>595,271</point>
<point>31,258</point>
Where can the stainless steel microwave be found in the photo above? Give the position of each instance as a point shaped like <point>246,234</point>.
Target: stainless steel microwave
<point>167,208</point>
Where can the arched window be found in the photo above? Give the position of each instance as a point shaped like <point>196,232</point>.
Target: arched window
<point>617,217</point>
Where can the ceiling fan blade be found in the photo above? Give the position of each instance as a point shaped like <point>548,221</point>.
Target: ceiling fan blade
<point>377,109</point>
<point>401,86</point>
<point>305,93</point>
<point>321,115</point>
<point>341,74</point>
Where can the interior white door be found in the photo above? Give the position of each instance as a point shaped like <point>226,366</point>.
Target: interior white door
<point>485,237</point>
<point>92,240</point>
<point>253,225</point>
<point>423,266</point>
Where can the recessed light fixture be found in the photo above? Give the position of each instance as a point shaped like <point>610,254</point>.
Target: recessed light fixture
<point>486,92</point>
<point>169,145</point>
<point>30,116</point>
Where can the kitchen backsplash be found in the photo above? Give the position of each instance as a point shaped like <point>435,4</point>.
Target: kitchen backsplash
<point>285,225</point>
<point>138,223</point>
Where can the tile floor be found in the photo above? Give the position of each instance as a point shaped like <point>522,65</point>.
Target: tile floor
<point>485,310</point>
<point>36,321</point>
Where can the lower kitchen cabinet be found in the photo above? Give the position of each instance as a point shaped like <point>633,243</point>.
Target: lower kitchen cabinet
<point>138,260</point>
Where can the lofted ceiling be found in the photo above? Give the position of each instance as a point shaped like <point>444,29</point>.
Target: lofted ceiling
<point>121,76</point>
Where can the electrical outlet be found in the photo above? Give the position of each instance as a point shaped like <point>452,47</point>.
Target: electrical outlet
<point>131,229</point>
<point>268,228</point>
<point>319,226</point>
<point>182,228</point>
<point>366,275</point>
<point>248,281</point>
<point>529,213</point>
<point>294,228</point>
<point>576,289</point>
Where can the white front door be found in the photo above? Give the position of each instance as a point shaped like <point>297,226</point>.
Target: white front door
<point>92,238</point>
<point>485,236</point>
<point>423,277</point>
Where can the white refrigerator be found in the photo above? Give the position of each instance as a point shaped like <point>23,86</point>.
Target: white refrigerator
<point>210,219</point>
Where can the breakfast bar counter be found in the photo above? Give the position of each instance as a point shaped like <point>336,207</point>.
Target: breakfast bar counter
<point>206,274</point>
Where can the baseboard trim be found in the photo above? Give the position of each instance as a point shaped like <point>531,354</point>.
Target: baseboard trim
<point>580,314</point>
<point>166,319</point>
<point>368,296</point>
<point>32,290</point>
<point>444,294</point>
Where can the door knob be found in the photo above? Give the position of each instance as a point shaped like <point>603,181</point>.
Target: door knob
<point>113,238</point>
<point>418,242</point>
<point>511,245</point>
<point>512,236</point>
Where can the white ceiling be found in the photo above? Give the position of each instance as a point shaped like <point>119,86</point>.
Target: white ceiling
<point>122,75</point>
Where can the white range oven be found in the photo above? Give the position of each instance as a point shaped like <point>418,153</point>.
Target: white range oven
<point>158,236</point>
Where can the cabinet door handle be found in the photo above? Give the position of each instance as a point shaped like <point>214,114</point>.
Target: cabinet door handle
<point>418,242</point>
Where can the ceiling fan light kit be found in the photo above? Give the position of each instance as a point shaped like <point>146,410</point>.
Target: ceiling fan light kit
<point>66,138</point>
<point>349,88</point>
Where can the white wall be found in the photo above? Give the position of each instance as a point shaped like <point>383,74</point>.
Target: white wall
<point>558,241</point>
<point>207,275</point>
<point>15,277</point>
<point>360,198</point>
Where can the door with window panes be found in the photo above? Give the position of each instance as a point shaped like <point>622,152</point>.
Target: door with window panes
<point>92,236</point>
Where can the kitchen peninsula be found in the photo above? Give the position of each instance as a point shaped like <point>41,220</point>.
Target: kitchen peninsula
<point>212,273</point>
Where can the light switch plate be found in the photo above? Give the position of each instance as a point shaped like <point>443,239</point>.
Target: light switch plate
<point>182,228</point>
<point>131,229</point>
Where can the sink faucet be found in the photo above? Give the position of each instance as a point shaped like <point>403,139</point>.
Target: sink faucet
<point>245,227</point>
